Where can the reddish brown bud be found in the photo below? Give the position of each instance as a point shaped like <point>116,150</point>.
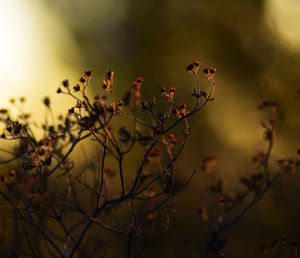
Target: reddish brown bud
<point>172,89</point>
<point>206,70</point>
<point>140,79</point>
<point>120,103</point>
<point>109,74</point>
<point>66,83</point>
<point>196,63</point>
<point>189,67</point>
<point>182,106</point>
<point>171,136</point>
<point>212,70</point>
<point>59,90</point>
<point>71,110</point>
<point>162,89</point>
<point>175,141</point>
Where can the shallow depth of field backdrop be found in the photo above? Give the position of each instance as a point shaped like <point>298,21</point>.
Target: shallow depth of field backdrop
<point>255,46</point>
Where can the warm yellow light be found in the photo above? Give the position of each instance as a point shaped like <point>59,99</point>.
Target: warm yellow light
<point>34,47</point>
<point>15,48</point>
<point>283,17</point>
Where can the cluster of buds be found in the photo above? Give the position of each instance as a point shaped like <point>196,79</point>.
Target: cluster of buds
<point>260,158</point>
<point>169,95</point>
<point>180,111</point>
<point>154,154</point>
<point>86,77</point>
<point>137,83</point>
<point>120,105</point>
<point>209,71</point>
<point>169,141</point>
<point>193,67</point>
<point>76,88</point>
<point>268,105</point>
<point>14,129</point>
<point>287,165</point>
<point>108,80</point>
<point>134,95</point>
<point>11,174</point>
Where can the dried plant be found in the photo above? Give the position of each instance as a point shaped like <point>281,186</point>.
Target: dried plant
<point>232,205</point>
<point>52,206</point>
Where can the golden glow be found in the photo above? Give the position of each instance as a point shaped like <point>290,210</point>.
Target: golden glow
<point>15,47</point>
<point>283,17</point>
<point>34,41</point>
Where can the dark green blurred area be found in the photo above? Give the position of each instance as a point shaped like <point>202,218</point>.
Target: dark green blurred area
<point>156,39</point>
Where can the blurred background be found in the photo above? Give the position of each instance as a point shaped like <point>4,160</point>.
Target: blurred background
<point>254,44</point>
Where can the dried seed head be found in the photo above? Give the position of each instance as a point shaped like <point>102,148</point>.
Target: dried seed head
<point>66,83</point>
<point>88,73</point>
<point>196,63</point>
<point>140,79</point>
<point>76,87</point>
<point>162,89</point>
<point>46,101</point>
<point>109,74</point>
<point>212,70</point>
<point>171,136</point>
<point>206,70</point>
<point>82,79</point>
<point>172,89</point>
<point>189,67</point>
<point>120,103</point>
<point>182,106</point>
